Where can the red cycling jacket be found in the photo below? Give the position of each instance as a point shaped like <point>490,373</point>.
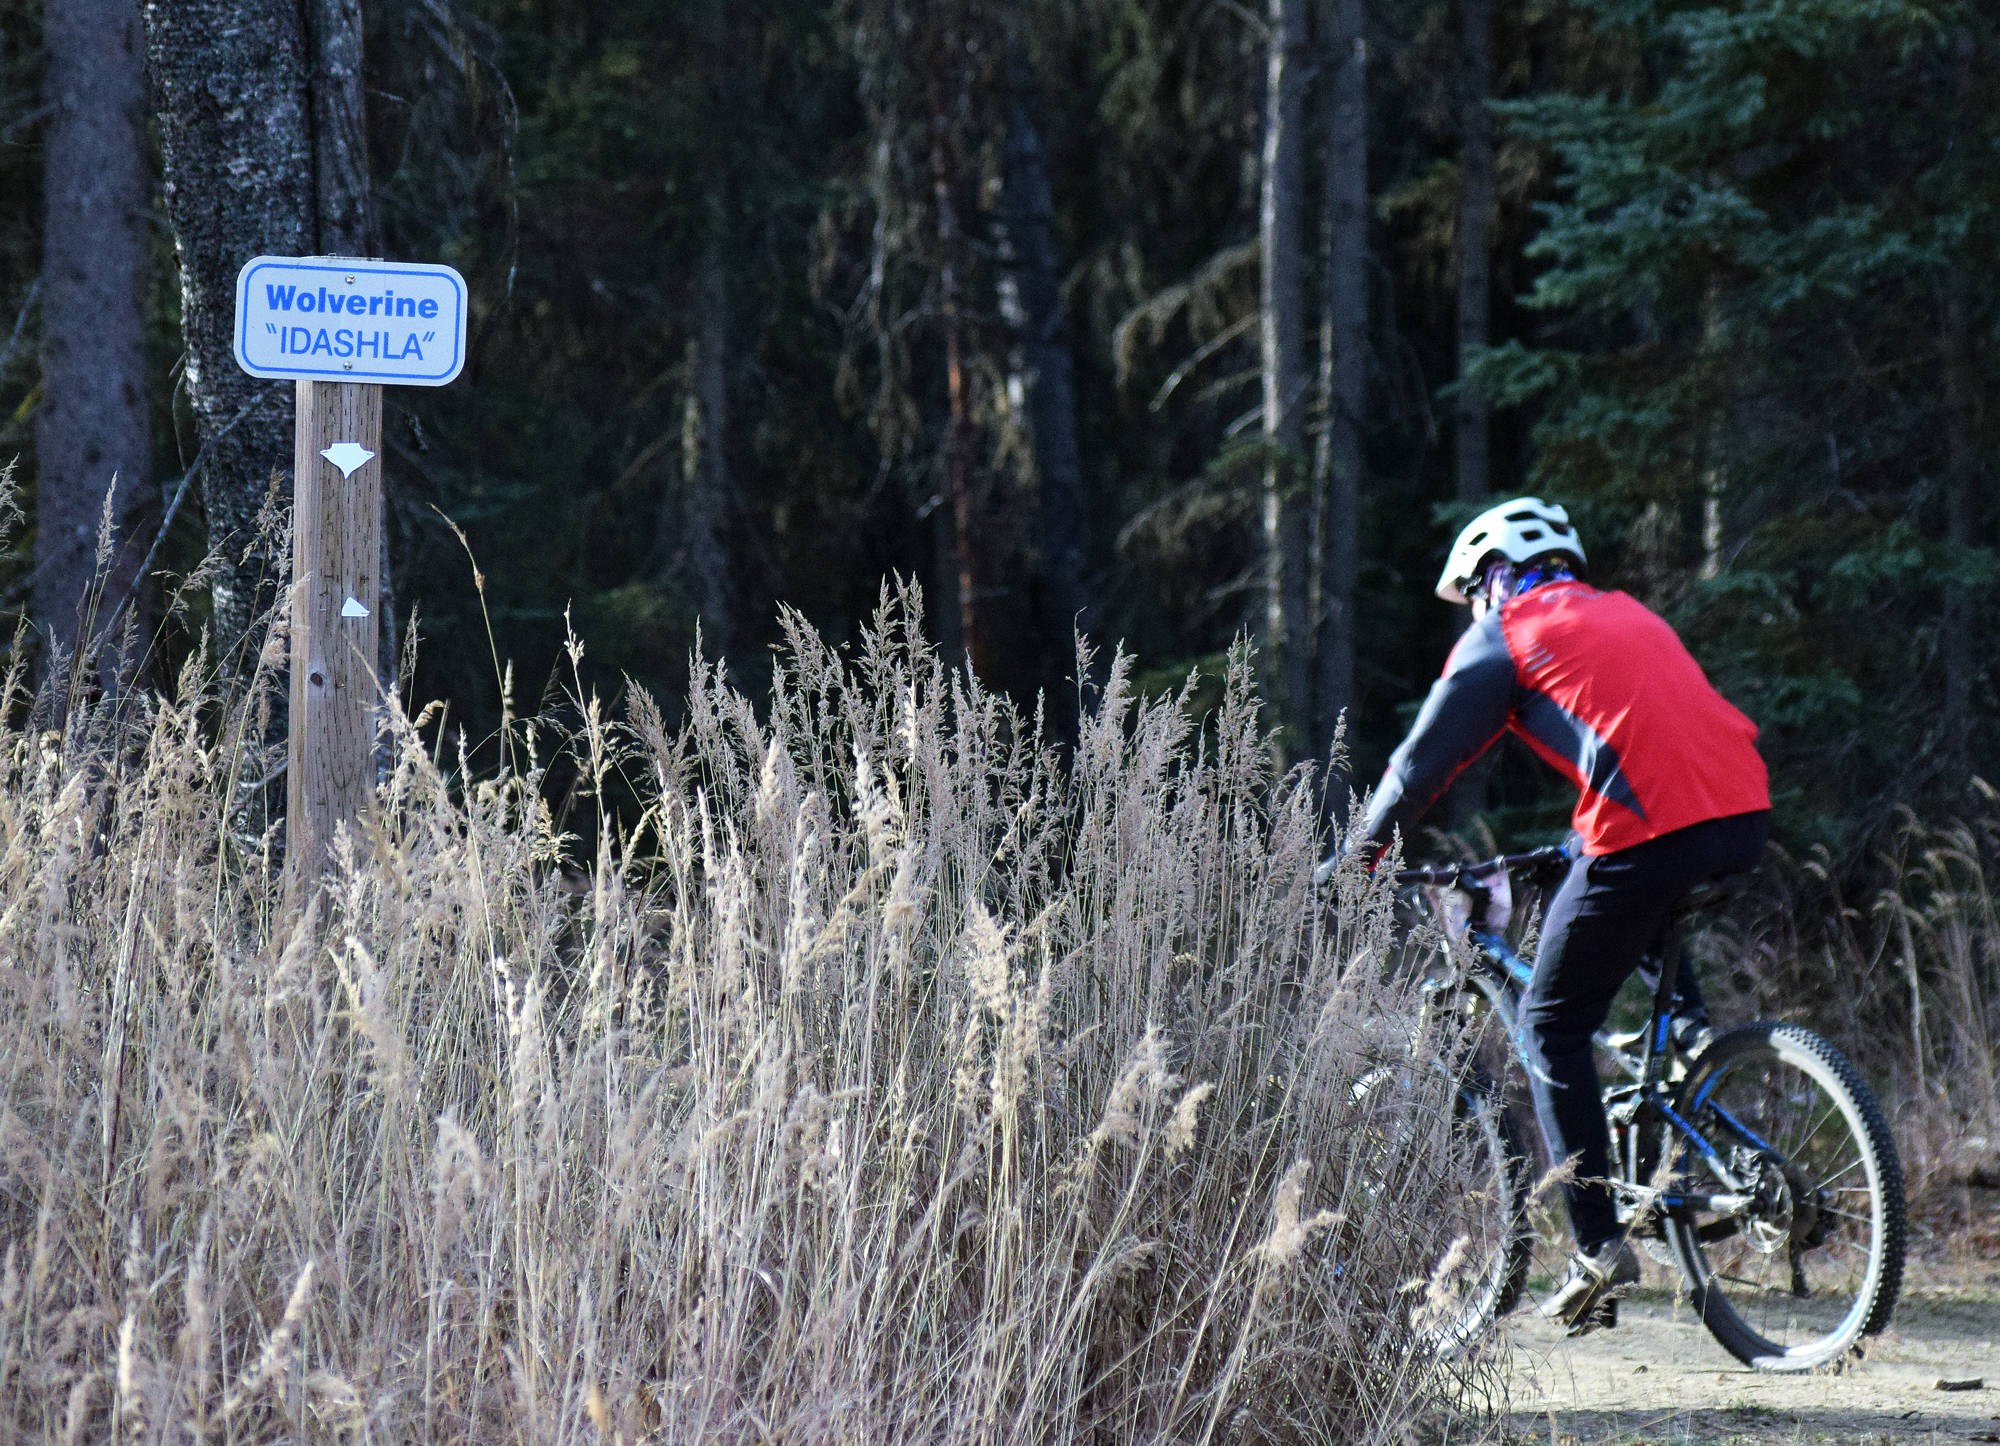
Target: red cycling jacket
<point>1603,689</point>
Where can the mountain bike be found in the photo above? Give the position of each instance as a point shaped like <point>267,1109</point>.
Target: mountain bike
<point>1761,1166</point>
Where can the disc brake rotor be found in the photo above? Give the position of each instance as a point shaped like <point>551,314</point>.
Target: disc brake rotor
<point>1772,1217</point>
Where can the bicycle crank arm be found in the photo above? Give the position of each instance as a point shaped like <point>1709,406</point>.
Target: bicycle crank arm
<point>1726,1203</point>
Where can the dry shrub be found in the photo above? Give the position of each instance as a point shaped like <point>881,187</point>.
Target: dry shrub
<point>890,1079</point>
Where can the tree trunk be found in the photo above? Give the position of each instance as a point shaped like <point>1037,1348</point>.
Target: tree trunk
<point>260,112</point>
<point>346,213</point>
<point>1475,243</point>
<point>958,425</point>
<point>1715,477</point>
<point>91,427</point>
<point>1044,375</point>
<point>1347,333</point>
<point>346,209</point>
<point>1470,412</point>
<point>1964,481</point>
<point>1287,622</point>
<point>971,570</point>
<point>708,481</point>
<point>1962,487</point>
<point>229,79</point>
<point>706,468</point>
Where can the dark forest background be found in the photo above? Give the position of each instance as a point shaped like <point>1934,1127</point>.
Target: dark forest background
<point>1172,319</point>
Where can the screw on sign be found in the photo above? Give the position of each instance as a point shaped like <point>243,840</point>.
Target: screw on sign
<point>340,329</point>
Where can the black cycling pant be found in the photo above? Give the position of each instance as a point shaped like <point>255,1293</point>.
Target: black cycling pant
<point>1609,912</point>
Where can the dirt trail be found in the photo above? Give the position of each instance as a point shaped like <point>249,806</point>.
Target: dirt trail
<point>1660,1379</point>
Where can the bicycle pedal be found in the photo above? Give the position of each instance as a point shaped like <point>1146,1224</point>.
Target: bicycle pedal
<point>1602,1317</point>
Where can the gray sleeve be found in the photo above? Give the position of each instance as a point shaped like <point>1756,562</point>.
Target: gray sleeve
<point>1466,711</point>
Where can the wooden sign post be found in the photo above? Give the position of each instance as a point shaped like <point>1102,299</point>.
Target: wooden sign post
<point>336,593</point>
<point>341,328</point>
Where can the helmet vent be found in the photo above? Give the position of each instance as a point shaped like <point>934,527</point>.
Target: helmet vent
<point>1519,530</point>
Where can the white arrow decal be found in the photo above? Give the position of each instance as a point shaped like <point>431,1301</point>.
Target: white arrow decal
<point>347,456</point>
<point>352,609</point>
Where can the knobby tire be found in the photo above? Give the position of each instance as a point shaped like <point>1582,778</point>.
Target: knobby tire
<point>1831,1213</point>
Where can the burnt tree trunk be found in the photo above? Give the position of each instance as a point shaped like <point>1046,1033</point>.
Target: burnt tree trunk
<point>1346,200</point>
<point>92,426</point>
<point>1043,373</point>
<point>1287,512</point>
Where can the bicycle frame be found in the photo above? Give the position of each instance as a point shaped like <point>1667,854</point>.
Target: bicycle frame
<point>1500,977</point>
<point>1691,1176</point>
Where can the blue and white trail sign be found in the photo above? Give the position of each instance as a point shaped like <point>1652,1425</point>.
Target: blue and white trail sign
<point>330,318</point>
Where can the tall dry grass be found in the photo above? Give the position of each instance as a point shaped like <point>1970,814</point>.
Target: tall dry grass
<point>1903,973</point>
<point>886,1079</point>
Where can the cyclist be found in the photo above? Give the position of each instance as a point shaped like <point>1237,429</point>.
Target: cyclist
<point>1672,792</point>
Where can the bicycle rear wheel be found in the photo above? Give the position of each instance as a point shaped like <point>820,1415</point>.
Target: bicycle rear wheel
<point>1816,1261</point>
<point>1479,1274</point>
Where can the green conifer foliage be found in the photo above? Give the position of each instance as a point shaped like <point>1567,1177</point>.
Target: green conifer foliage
<point>1767,318</point>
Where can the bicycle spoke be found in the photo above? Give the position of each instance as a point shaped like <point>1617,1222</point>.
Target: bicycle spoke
<point>1796,1125</point>
<point>1756,1285</point>
<point>1484,1231</point>
<point>1832,1112</point>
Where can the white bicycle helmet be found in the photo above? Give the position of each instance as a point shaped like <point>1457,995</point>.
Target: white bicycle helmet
<point>1520,531</point>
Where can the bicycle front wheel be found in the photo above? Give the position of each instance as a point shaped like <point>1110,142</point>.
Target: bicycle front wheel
<point>1484,1225</point>
<point>1793,1280</point>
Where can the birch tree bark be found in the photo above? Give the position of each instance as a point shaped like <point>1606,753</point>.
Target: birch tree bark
<point>1346,198</point>
<point>1287,513</point>
<point>92,425</point>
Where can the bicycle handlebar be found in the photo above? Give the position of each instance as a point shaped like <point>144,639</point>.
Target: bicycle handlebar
<point>1484,868</point>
